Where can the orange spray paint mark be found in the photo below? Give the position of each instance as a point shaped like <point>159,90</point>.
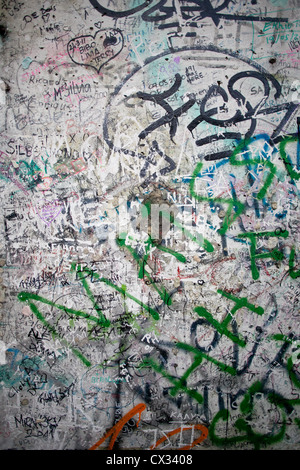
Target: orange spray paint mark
<point>116,429</point>
<point>203,436</point>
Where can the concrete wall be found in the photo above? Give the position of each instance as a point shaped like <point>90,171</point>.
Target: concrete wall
<point>149,224</point>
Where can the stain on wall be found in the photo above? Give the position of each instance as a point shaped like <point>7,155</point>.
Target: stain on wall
<point>149,258</point>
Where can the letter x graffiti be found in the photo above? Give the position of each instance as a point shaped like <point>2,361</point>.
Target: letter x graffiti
<point>172,115</point>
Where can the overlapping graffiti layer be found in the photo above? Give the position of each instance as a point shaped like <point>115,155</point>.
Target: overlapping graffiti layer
<point>149,257</point>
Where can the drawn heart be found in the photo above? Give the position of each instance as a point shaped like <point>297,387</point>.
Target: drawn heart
<point>49,210</point>
<point>95,51</point>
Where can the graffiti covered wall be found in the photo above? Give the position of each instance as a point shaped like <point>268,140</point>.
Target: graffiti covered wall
<point>149,257</point>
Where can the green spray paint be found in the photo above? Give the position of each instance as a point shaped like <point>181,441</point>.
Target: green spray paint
<point>198,238</point>
<point>294,274</point>
<point>103,321</point>
<point>27,297</point>
<point>179,384</point>
<point>142,261</point>
<point>30,174</point>
<point>290,361</point>
<point>274,254</point>
<point>100,320</point>
<point>122,290</point>
<point>289,165</point>
<point>199,354</point>
<point>249,436</point>
<point>222,327</point>
<point>243,146</point>
<point>235,207</point>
